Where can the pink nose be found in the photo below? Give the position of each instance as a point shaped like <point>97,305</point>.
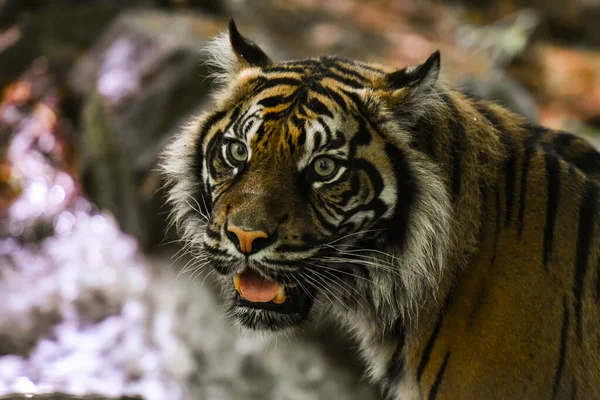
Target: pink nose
<point>246,238</point>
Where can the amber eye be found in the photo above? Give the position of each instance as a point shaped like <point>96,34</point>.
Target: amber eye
<point>324,167</point>
<point>237,152</point>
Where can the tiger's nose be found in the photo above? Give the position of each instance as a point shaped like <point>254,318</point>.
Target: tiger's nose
<point>248,242</point>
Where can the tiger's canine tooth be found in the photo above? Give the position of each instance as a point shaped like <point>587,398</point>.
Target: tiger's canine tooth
<point>280,298</point>
<point>236,282</point>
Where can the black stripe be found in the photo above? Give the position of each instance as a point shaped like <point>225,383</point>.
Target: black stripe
<point>213,234</point>
<point>530,148</point>
<point>562,352</point>
<point>260,133</point>
<point>510,149</point>
<point>372,172</point>
<point>273,101</point>
<point>289,248</point>
<point>582,154</point>
<point>331,93</point>
<point>434,334</point>
<point>490,115</point>
<point>361,138</point>
<point>317,139</point>
<point>337,143</point>
<point>353,96</point>
<point>497,227</point>
<point>283,81</point>
<point>510,167</point>
<point>438,378</point>
<point>350,73</point>
<point>562,142</point>
<point>234,119</point>
<point>319,108</point>
<point>212,151</point>
<point>457,146</point>
<point>587,218</point>
<point>483,190</point>
<point>553,182</point>
<point>588,162</point>
<point>326,129</point>
<point>346,81</point>
<point>598,280</point>
<point>326,225</point>
<point>354,189</point>
<point>367,66</point>
<point>396,364</point>
<point>423,133</point>
<point>199,157</point>
<point>214,250</point>
<point>285,68</point>
<point>302,136</point>
<point>407,193</point>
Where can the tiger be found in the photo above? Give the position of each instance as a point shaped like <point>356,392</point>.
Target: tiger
<point>456,241</point>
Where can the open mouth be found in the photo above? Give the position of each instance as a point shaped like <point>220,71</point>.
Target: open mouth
<point>256,291</point>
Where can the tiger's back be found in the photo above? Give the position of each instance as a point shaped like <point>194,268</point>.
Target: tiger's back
<point>522,321</point>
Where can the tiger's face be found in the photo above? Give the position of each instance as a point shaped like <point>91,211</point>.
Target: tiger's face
<point>292,192</point>
<point>291,186</point>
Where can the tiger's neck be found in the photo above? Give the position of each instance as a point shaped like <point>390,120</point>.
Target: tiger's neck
<point>470,143</point>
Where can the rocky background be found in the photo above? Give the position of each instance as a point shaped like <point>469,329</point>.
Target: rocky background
<point>96,299</point>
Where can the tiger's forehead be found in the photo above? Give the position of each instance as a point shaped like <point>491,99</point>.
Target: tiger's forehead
<point>302,108</point>
<point>339,68</point>
<point>296,131</point>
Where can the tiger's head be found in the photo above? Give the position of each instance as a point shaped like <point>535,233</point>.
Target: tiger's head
<point>302,189</point>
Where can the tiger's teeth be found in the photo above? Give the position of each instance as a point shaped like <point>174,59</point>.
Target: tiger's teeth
<point>236,282</point>
<point>280,298</point>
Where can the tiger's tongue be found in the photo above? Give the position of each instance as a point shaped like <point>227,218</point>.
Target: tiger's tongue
<point>255,288</point>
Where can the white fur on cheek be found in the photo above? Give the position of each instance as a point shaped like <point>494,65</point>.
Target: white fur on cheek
<point>177,164</point>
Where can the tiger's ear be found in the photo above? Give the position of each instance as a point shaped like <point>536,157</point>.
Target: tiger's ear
<point>230,53</point>
<point>411,92</point>
<point>246,50</point>
<point>420,77</point>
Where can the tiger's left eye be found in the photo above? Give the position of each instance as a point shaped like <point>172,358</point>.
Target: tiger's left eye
<point>237,152</point>
<point>324,167</point>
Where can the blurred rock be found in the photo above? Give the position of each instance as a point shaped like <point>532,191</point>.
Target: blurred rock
<point>565,81</point>
<point>501,88</point>
<point>573,21</point>
<point>138,84</point>
<point>501,41</point>
<point>57,31</point>
<point>36,155</point>
<point>394,33</point>
<point>73,315</point>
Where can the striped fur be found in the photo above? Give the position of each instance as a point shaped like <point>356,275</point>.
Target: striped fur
<point>459,243</point>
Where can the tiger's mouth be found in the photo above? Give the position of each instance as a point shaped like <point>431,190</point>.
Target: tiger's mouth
<point>258,292</point>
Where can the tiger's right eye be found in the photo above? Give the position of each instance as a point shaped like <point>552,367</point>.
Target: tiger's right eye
<point>237,152</point>
<point>324,167</point>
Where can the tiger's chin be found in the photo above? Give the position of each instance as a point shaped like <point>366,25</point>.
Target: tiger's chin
<point>251,306</point>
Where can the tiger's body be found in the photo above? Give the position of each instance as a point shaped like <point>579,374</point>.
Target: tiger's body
<point>459,243</point>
